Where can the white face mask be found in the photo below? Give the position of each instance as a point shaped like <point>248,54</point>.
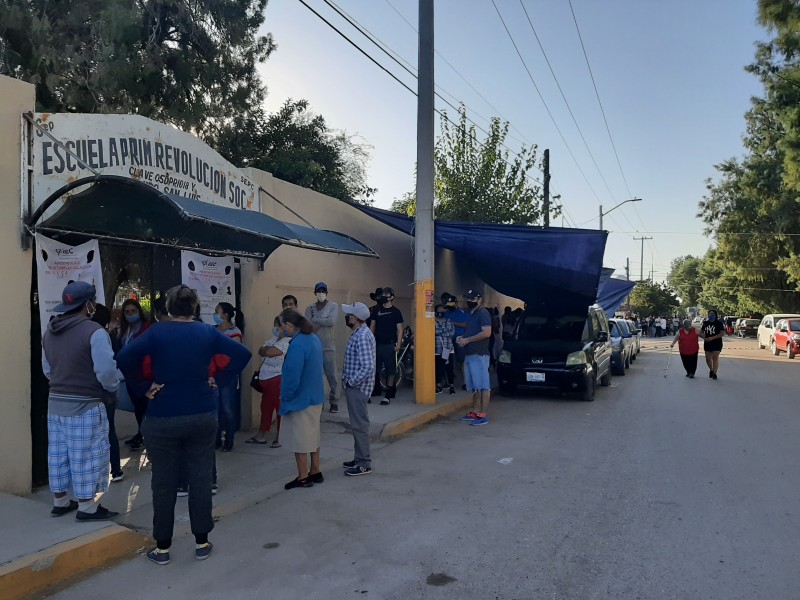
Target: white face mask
<point>321,296</point>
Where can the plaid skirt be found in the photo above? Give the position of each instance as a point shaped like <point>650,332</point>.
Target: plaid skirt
<point>78,453</point>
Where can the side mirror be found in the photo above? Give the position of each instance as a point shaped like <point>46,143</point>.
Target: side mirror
<point>602,337</point>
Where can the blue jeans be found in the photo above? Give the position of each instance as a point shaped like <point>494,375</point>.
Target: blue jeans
<point>228,411</point>
<point>116,467</point>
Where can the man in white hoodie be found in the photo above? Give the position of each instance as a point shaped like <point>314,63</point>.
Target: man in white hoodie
<point>323,314</point>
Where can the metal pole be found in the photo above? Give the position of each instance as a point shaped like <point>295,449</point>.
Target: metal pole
<point>546,187</point>
<point>424,344</point>
<point>641,264</point>
<point>601,217</point>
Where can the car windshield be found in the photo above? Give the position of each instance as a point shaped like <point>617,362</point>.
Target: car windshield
<point>615,330</point>
<point>794,325</point>
<point>752,322</point>
<point>537,329</point>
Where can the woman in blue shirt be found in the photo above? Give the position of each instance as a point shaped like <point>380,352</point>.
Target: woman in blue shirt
<point>302,395</point>
<point>181,419</point>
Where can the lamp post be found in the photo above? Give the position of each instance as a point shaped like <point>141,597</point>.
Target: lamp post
<point>602,214</point>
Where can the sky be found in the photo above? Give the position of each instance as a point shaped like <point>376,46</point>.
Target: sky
<point>670,77</point>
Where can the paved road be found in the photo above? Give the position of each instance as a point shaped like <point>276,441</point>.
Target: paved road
<point>663,488</point>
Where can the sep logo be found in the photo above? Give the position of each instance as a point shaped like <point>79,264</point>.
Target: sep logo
<point>209,263</point>
<point>64,251</point>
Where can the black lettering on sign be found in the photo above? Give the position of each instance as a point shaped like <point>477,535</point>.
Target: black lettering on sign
<point>46,158</point>
<point>113,155</point>
<point>91,147</point>
<point>71,166</point>
<point>159,155</point>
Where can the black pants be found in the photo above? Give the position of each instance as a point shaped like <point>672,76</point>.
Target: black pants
<point>445,369</point>
<point>689,363</point>
<point>170,441</point>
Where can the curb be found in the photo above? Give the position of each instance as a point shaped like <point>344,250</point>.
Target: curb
<point>406,424</point>
<point>61,564</point>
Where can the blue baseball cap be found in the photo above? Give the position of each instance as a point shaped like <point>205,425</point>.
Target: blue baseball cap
<point>320,286</point>
<point>75,294</point>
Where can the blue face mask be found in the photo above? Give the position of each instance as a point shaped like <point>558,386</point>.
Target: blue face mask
<point>132,319</point>
<point>712,318</point>
<point>217,318</point>
<point>276,332</point>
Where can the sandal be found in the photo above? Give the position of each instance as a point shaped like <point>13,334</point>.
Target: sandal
<point>255,440</point>
<point>275,444</point>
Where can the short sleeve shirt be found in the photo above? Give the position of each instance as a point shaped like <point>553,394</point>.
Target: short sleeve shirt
<point>386,321</point>
<point>475,323</point>
<point>271,366</point>
<point>710,329</point>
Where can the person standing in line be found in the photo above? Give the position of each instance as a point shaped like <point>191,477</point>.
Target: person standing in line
<point>289,301</point>
<point>475,342</point>
<point>102,316</point>
<point>387,327</point>
<point>322,315</point>
<point>688,347</point>
<point>230,323</point>
<point>358,377</point>
<point>712,331</point>
<point>269,380</point>
<point>445,356</point>
<point>181,421</point>
<point>458,317</point>
<point>377,389</point>
<point>78,361</point>
<point>302,397</point>
<point>131,325</point>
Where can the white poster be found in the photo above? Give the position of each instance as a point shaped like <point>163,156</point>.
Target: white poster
<point>58,264</point>
<point>159,155</point>
<point>212,277</point>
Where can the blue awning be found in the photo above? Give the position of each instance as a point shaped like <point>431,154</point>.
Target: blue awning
<point>125,209</point>
<point>613,293</point>
<point>551,269</point>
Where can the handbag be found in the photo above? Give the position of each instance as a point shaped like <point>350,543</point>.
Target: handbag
<point>255,382</point>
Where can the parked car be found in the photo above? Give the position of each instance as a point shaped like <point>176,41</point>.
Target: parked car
<point>636,338</point>
<point>767,328</point>
<point>786,337</point>
<point>621,346</point>
<point>747,327</point>
<point>569,353</point>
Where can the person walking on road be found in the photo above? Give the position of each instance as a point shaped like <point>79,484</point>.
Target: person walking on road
<point>180,425</point>
<point>323,315</point>
<point>387,327</point>
<point>688,347</point>
<point>78,360</point>
<point>358,377</point>
<point>712,331</point>
<point>302,397</point>
<point>475,343</point>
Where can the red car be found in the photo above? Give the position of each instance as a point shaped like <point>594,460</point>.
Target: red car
<point>786,338</point>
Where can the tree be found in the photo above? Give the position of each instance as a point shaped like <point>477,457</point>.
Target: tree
<point>648,298</point>
<point>187,62</point>
<point>684,279</point>
<point>478,180</point>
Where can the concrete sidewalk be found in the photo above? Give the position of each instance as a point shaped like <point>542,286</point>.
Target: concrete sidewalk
<point>41,552</point>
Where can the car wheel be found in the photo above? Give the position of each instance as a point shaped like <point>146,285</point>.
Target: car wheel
<point>758,343</point>
<point>789,351</point>
<point>588,393</point>
<point>605,380</point>
<point>774,347</point>
<point>627,362</point>
<point>633,356</point>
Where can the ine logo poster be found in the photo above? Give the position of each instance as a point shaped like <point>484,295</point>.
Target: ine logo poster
<point>212,277</point>
<point>57,265</point>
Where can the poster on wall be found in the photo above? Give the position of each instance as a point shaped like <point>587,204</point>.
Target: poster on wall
<point>57,264</point>
<point>213,278</point>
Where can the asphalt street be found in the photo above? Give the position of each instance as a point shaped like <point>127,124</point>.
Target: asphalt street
<point>662,488</point>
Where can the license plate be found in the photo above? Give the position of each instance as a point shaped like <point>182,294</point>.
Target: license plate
<point>534,377</point>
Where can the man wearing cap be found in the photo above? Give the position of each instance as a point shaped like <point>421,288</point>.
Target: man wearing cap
<point>475,342</point>
<point>78,360</point>
<point>387,327</point>
<point>376,389</point>
<point>358,377</point>
<point>322,315</point>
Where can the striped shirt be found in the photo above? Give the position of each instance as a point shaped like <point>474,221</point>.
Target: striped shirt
<point>359,361</point>
<point>445,330</point>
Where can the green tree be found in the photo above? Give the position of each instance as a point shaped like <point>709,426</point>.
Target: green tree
<point>648,298</point>
<point>478,179</point>
<point>685,280</point>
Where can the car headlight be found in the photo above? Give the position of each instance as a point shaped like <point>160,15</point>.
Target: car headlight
<point>576,358</point>
<point>796,336</point>
<point>505,357</point>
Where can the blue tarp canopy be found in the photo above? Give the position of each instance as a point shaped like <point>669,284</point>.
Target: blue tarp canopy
<point>553,269</point>
<point>612,293</point>
<point>124,209</point>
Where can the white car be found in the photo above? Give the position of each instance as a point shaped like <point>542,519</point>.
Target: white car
<point>767,328</point>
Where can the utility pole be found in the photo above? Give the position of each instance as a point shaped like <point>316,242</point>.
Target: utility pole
<point>627,269</point>
<point>641,264</point>
<point>424,346</point>
<point>546,187</point>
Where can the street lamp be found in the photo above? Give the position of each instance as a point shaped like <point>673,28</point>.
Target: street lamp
<point>602,214</point>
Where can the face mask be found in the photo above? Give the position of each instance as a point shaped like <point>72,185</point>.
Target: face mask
<point>440,315</point>
<point>132,318</point>
<point>217,318</point>
<point>386,301</point>
<point>712,318</point>
<point>90,311</point>
<point>276,332</point>
<point>321,297</point>
<point>472,304</point>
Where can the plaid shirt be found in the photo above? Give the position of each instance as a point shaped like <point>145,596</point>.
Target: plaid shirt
<point>445,330</point>
<point>359,361</point>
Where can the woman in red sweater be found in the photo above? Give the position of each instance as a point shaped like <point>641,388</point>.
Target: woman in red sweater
<point>688,347</point>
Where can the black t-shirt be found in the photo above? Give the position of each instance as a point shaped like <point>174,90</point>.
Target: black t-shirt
<point>386,321</point>
<point>710,329</point>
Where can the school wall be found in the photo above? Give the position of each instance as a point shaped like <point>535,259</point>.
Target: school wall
<point>16,97</point>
